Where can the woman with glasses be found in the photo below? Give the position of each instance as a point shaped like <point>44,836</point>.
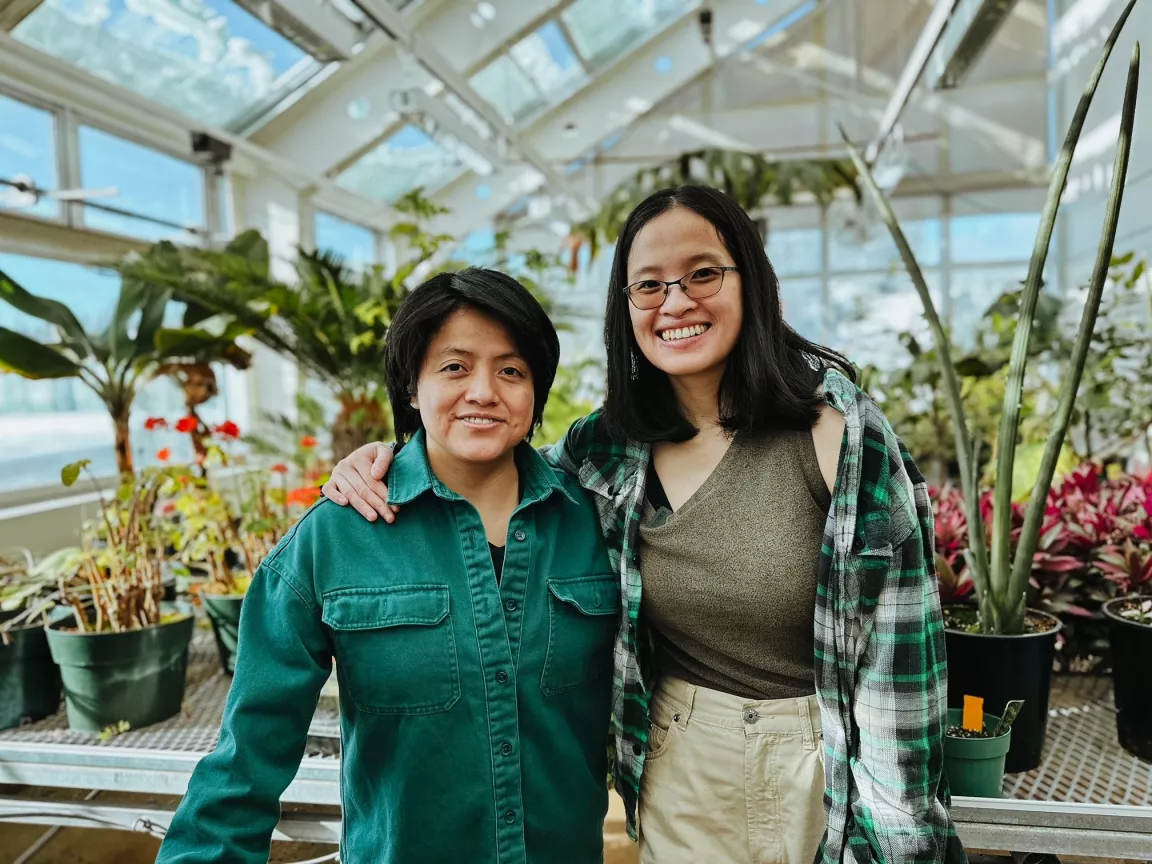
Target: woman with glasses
<point>780,672</point>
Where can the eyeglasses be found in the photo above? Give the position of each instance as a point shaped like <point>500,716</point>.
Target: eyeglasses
<point>700,283</point>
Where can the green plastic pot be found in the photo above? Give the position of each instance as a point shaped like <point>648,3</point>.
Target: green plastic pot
<point>224,612</point>
<point>137,676</point>
<point>29,680</point>
<point>975,766</point>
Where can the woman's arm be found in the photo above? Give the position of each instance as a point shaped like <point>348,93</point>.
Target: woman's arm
<point>233,799</point>
<point>358,478</point>
<point>900,704</point>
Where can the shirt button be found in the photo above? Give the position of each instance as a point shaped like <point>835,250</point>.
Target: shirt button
<point>510,605</point>
<point>506,749</point>
<point>501,677</point>
<point>520,535</point>
<point>509,817</point>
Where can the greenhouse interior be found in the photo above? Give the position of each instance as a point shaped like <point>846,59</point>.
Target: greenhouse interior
<point>251,250</point>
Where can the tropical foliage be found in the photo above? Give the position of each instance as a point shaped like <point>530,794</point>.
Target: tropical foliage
<point>135,348</point>
<point>1001,574</point>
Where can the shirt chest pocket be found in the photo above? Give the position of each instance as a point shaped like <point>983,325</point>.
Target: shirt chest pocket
<point>395,648</point>
<point>582,619</point>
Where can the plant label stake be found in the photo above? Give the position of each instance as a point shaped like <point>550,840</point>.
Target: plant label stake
<point>1006,720</point>
<point>973,720</point>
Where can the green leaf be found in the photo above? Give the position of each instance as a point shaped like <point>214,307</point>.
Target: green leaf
<point>52,311</point>
<point>1121,260</point>
<point>33,360</point>
<point>69,474</point>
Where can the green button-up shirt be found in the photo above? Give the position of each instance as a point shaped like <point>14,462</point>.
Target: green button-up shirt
<point>474,715</point>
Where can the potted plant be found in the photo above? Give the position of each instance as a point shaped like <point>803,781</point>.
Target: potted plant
<point>122,653</point>
<point>974,753</point>
<point>1130,636</point>
<point>1002,650</point>
<point>29,680</point>
<point>225,526</point>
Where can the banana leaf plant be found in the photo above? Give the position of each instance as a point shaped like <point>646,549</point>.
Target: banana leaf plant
<point>749,178</point>
<point>116,362</point>
<point>333,320</point>
<point>1001,578</point>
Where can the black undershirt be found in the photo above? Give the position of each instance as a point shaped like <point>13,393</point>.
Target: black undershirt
<point>497,560</point>
<point>657,497</point>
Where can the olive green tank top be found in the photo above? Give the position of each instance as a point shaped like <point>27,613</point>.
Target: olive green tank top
<point>729,579</point>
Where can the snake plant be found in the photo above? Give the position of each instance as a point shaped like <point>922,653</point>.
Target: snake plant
<point>1001,579</point>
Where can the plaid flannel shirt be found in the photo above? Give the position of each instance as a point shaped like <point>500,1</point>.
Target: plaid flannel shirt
<point>880,663</point>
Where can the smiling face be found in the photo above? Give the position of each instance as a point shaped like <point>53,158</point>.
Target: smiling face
<point>474,393</point>
<point>685,338</point>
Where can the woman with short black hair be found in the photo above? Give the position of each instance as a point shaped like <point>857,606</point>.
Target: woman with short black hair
<point>473,642</point>
<point>780,677</point>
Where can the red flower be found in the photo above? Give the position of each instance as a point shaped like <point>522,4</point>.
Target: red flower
<point>168,509</point>
<point>279,468</point>
<point>228,429</point>
<point>154,423</point>
<point>308,441</point>
<point>164,454</point>
<point>305,496</point>
<point>187,424</point>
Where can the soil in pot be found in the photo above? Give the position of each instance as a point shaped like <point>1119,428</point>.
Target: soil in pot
<point>1131,643</point>
<point>223,611</point>
<point>136,676</point>
<point>974,766</point>
<point>29,680</point>
<point>1002,668</point>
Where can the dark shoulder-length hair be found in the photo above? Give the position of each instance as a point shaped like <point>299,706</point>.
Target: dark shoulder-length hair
<point>773,374</point>
<point>424,312</point>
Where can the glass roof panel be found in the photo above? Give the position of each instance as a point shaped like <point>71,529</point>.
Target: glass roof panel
<point>550,62</point>
<point>208,58</point>
<point>507,88</point>
<point>605,29</point>
<point>27,154</point>
<point>408,159</point>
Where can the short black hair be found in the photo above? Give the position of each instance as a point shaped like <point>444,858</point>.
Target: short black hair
<point>424,312</point>
<point>773,373</point>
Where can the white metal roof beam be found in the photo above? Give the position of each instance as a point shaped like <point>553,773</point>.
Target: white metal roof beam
<point>12,12</point>
<point>393,22</point>
<point>913,69</point>
<point>612,102</point>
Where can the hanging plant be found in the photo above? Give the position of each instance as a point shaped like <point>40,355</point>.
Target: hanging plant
<point>750,178</point>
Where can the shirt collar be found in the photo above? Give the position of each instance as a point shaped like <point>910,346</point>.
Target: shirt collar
<point>411,475</point>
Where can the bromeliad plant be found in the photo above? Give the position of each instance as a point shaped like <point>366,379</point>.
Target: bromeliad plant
<point>1095,544</point>
<point>1001,578</point>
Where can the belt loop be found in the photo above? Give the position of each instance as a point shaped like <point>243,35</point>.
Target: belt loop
<point>804,706</point>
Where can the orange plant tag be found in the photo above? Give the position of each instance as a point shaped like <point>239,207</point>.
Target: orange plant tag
<point>973,714</point>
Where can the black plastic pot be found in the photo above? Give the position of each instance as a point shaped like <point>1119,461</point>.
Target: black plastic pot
<point>223,611</point>
<point>137,676</point>
<point>29,680</point>
<point>1002,668</point>
<point>1131,681</point>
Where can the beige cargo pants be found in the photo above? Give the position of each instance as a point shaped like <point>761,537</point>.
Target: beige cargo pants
<point>731,780</point>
